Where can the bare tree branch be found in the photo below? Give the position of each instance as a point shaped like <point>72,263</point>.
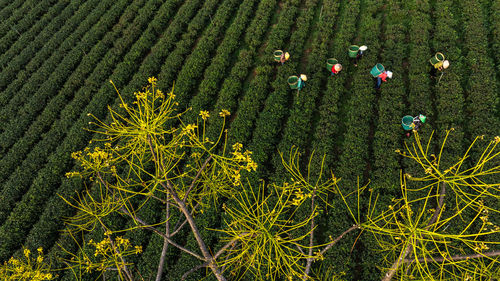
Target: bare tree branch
<point>159,272</point>
<point>149,227</point>
<point>354,227</point>
<point>456,258</point>
<point>196,178</point>
<point>185,275</point>
<point>436,214</point>
<point>206,254</point>
<point>394,267</point>
<point>311,237</point>
<point>125,269</point>
<point>231,244</point>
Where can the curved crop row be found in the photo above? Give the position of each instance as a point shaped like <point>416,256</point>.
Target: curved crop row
<point>10,139</point>
<point>21,90</point>
<point>7,7</point>
<point>388,130</point>
<point>192,69</point>
<point>251,103</point>
<point>385,169</point>
<point>354,160</point>
<point>10,30</point>
<point>233,84</point>
<point>481,91</point>
<point>26,211</point>
<point>494,35</point>
<point>419,96</point>
<point>326,136</point>
<point>269,123</point>
<point>494,20</point>
<point>45,230</point>
<point>298,127</point>
<point>450,103</point>
<point>184,46</point>
<point>359,119</point>
<point>326,133</point>
<point>65,105</point>
<point>23,50</point>
<point>217,70</point>
<point>13,188</point>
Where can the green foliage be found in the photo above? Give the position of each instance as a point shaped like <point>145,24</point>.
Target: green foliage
<point>56,56</point>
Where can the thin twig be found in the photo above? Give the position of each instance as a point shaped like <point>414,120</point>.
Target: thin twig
<point>354,227</point>
<point>231,244</point>
<point>311,238</point>
<point>196,178</point>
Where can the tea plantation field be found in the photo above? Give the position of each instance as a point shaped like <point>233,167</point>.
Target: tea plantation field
<point>57,57</point>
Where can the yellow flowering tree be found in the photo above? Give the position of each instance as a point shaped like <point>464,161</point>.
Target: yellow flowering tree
<point>147,153</point>
<point>414,231</point>
<point>142,157</point>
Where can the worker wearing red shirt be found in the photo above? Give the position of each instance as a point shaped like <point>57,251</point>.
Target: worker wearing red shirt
<point>382,78</point>
<point>336,68</point>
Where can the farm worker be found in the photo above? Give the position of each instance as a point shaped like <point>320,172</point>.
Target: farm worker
<point>360,54</point>
<point>301,83</point>
<point>336,68</point>
<point>284,57</point>
<point>382,77</point>
<point>418,121</point>
<point>441,66</point>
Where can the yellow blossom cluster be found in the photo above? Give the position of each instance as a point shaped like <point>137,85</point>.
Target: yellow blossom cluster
<point>241,157</point>
<point>108,253</point>
<point>26,268</point>
<point>91,160</point>
<point>299,197</point>
<point>481,246</point>
<point>204,114</point>
<point>189,129</point>
<point>224,113</point>
<point>152,80</point>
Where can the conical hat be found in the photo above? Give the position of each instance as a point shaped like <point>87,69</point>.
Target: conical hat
<point>446,63</point>
<point>287,55</point>
<point>363,48</point>
<point>303,77</point>
<point>338,67</point>
<point>422,118</point>
<point>389,74</point>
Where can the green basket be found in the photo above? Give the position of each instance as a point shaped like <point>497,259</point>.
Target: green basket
<point>407,123</point>
<point>277,55</point>
<point>330,63</point>
<point>353,51</point>
<point>438,57</point>
<point>377,70</point>
<point>293,82</point>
